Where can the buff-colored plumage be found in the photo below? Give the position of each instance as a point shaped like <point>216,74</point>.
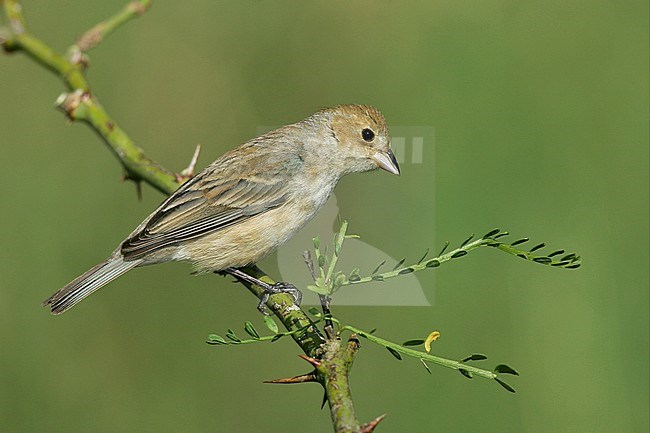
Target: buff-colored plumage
<point>251,200</point>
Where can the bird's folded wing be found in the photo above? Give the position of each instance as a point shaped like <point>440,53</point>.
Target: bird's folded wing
<point>203,205</point>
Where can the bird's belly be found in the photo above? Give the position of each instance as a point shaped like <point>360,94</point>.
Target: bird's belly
<point>249,241</point>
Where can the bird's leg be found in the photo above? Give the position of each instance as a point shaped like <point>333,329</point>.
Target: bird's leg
<point>269,289</point>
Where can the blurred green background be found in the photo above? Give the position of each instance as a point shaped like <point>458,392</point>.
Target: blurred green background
<point>540,111</point>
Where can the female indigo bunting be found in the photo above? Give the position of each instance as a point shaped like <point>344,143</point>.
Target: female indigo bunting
<point>250,201</point>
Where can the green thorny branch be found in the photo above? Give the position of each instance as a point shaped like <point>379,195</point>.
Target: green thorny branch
<point>331,360</point>
<point>80,103</point>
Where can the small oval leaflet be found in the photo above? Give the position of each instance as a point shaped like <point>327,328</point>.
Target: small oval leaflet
<point>467,240</point>
<point>537,247</point>
<point>568,257</point>
<point>475,357</point>
<point>426,253</point>
<point>505,385</point>
<point>543,260</point>
<point>444,248</point>
<point>232,336</point>
<point>491,233</point>
<point>250,330</point>
<point>505,369</point>
<point>400,263</point>
<point>216,339</point>
<point>383,262</point>
<point>415,342</point>
<point>395,353</point>
<point>270,323</point>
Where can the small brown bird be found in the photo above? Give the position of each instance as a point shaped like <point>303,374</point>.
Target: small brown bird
<point>249,201</point>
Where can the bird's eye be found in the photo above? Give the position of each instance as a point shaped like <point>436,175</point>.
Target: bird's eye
<point>367,134</point>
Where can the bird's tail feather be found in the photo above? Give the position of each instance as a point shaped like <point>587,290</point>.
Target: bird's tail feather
<point>86,284</point>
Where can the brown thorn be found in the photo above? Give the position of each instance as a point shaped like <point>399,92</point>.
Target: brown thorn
<point>138,183</point>
<point>303,378</point>
<point>322,405</point>
<point>370,427</point>
<point>313,361</point>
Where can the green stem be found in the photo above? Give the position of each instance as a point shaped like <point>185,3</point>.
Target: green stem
<point>456,365</point>
<point>19,39</point>
<point>86,108</point>
<point>101,30</point>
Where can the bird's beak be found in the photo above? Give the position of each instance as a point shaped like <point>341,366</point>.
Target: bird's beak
<point>386,160</point>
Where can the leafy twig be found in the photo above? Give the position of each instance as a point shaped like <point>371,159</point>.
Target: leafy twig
<point>466,369</point>
<point>328,281</point>
<point>233,339</point>
<point>556,259</point>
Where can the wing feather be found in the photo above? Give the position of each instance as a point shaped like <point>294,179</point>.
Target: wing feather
<point>210,202</point>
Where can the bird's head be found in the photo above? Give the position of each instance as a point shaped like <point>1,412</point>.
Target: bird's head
<point>361,134</point>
